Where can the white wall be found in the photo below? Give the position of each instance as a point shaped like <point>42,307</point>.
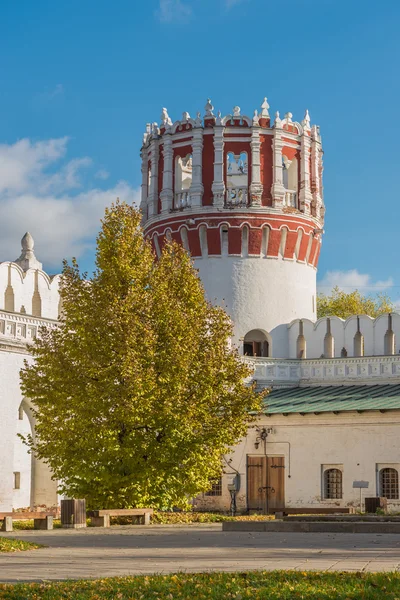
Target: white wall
<point>343,332</point>
<point>359,442</point>
<point>22,462</point>
<point>13,454</point>
<point>261,293</point>
<point>24,285</point>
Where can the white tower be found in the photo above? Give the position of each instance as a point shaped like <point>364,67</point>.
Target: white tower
<point>245,198</point>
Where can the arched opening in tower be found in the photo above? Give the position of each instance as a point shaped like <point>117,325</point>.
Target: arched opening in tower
<point>256,343</point>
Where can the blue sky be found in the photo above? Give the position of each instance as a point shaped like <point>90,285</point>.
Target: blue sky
<point>79,81</point>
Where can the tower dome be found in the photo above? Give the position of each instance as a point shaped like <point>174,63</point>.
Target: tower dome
<point>245,197</point>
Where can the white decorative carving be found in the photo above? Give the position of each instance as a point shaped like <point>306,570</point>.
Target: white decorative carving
<point>21,328</point>
<point>165,120</point>
<point>198,122</point>
<point>236,111</point>
<point>288,118</point>
<point>369,369</point>
<point>185,116</point>
<point>209,108</point>
<point>306,121</point>
<point>264,109</point>
<point>278,121</point>
<point>256,118</point>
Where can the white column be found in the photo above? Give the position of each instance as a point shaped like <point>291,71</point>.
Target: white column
<point>167,190</point>
<point>218,186</point>
<point>278,189</point>
<point>255,186</point>
<point>316,157</point>
<point>197,188</point>
<point>153,192</point>
<point>305,183</point>
<point>145,176</point>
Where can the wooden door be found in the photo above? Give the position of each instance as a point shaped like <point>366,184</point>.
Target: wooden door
<point>256,482</point>
<point>265,484</point>
<point>276,483</point>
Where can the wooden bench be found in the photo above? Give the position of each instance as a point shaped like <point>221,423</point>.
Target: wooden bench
<point>101,518</point>
<point>41,520</point>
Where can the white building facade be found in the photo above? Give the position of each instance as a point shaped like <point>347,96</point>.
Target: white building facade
<point>251,213</point>
<point>245,197</point>
<point>29,299</point>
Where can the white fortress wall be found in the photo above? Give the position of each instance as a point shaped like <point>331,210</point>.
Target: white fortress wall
<point>343,332</point>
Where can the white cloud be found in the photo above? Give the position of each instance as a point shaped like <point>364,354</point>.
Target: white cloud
<point>40,195</point>
<point>102,174</point>
<point>352,280</point>
<point>172,11</point>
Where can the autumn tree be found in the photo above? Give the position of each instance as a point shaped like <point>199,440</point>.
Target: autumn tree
<point>137,395</point>
<point>342,304</point>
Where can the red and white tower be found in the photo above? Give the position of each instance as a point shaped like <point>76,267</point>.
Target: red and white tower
<point>245,197</point>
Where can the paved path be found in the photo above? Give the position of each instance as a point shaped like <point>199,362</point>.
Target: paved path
<point>91,553</point>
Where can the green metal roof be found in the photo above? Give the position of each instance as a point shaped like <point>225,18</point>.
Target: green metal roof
<point>316,399</point>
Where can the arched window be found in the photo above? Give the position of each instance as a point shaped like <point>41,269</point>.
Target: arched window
<point>333,484</point>
<point>256,343</point>
<point>236,179</point>
<point>183,180</point>
<point>290,181</point>
<point>389,483</point>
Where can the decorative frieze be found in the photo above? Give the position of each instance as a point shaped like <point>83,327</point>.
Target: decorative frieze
<point>270,371</point>
<point>20,328</point>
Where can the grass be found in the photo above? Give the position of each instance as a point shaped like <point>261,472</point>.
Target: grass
<point>275,585</point>
<point>11,545</point>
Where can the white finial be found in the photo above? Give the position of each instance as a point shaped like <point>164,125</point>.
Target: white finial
<point>255,118</point>
<point>28,260</point>
<point>198,122</point>
<point>154,129</point>
<point>288,117</point>
<point>209,108</point>
<point>219,118</point>
<point>236,111</point>
<point>277,122</point>
<point>147,133</point>
<point>185,116</point>
<point>165,119</point>
<point>264,108</point>
<point>306,121</point>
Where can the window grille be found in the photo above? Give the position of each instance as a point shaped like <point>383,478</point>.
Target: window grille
<point>216,488</point>
<point>389,483</point>
<point>333,484</point>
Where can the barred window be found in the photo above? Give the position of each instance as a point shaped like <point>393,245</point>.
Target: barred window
<point>216,488</point>
<point>389,483</point>
<point>333,484</point>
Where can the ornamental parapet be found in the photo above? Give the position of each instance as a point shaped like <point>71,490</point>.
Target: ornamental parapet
<point>236,162</point>
<point>335,371</point>
<point>21,329</point>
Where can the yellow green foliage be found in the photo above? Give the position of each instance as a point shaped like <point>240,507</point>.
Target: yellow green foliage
<point>137,394</point>
<point>11,545</point>
<point>344,305</point>
<point>252,585</point>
